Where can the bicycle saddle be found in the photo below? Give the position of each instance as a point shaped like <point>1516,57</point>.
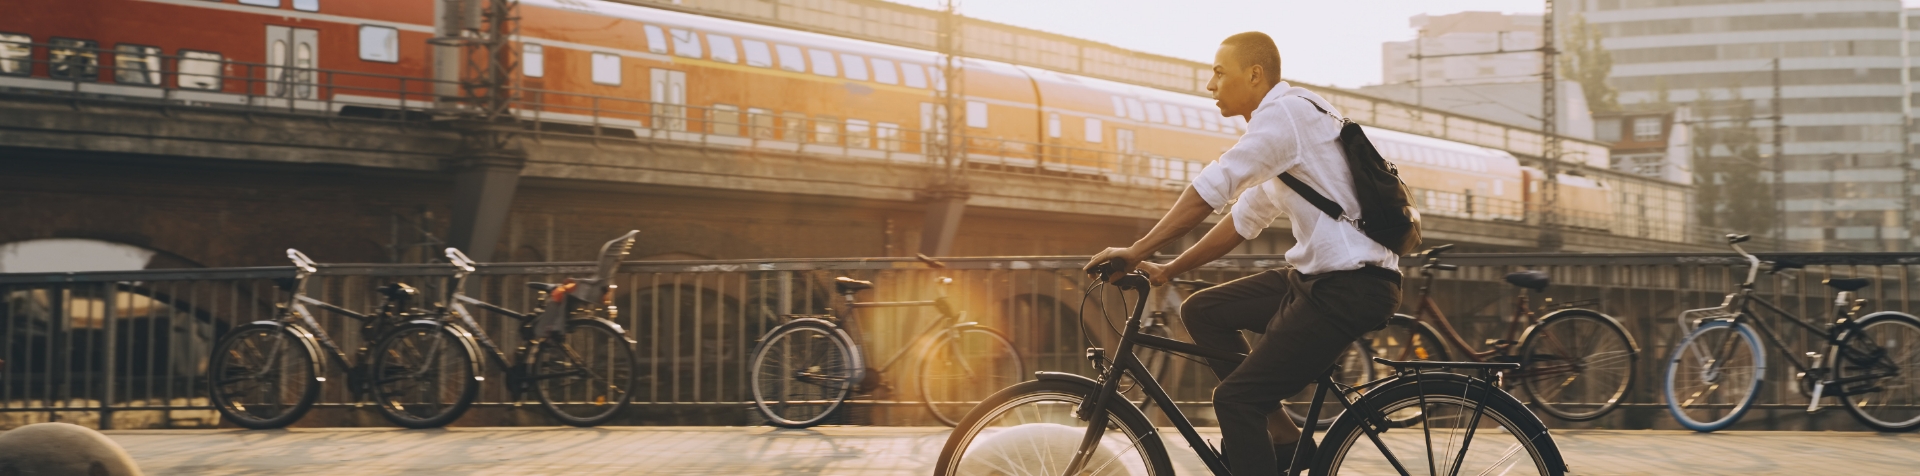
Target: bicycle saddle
<point>1847,284</point>
<point>848,285</point>
<point>1530,279</point>
<point>542,287</point>
<point>398,291</point>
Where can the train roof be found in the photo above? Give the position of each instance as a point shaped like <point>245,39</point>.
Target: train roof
<point>1404,148</point>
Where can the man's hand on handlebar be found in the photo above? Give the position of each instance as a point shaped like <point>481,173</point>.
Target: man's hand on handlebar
<point>1157,274</point>
<point>1126,257</point>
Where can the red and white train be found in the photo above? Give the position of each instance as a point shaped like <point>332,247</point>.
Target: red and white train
<point>646,71</point>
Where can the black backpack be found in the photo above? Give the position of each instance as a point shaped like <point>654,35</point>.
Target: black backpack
<point>1386,206</point>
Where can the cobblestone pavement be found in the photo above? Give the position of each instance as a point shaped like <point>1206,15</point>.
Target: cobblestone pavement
<point>886,451</point>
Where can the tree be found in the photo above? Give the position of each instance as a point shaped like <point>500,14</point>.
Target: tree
<point>1585,62</point>
<point>1728,168</point>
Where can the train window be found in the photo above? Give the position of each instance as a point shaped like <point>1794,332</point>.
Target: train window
<point>1153,114</point>
<point>791,59</point>
<point>379,43</point>
<point>135,64</point>
<point>1053,125</point>
<point>725,119</point>
<point>16,54</point>
<point>261,3</point>
<point>859,134</point>
<point>533,60</point>
<point>69,58</point>
<point>685,43</point>
<point>1093,130</point>
<point>884,73</point>
<point>306,5</point>
<point>823,63</point>
<point>938,78</point>
<point>826,130</point>
<point>914,75</point>
<point>723,48</point>
<point>199,70</point>
<point>976,114</point>
<point>886,136</point>
<point>1213,123</point>
<point>656,40</point>
<point>1119,107</point>
<point>760,122</point>
<point>793,127</point>
<point>1133,110</point>
<point>1193,117</point>
<point>1173,114</point>
<point>855,65</point>
<point>757,53</point>
<point>606,69</point>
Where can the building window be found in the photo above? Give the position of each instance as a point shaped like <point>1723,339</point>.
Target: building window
<point>976,114</point>
<point>884,73</point>
<point>826,130</point>
<point>791,59</point>
<point>533,60</point>
<point>823,63</point>
<point>306,5</point>
<point>914,75</point>
<point>199,70</point>
<point>725,120</point>
<point>1646,129</point>
<point>859,134</point>
<point>656,40</point>
<point>757,53</point>
<point>1093,130</point>
<point>68,58</point>
<point>135,64</point>
<point>606,69</point>
<point>379,43</point>
<point>723,49</point>
<point>856,66</point>
<point>760,123</point>
<point>686,43</point>
<point>1053,125</point>
<point>887,136</point>
<point>16,54</point>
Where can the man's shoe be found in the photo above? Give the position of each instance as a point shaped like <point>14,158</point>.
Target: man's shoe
<point>1283,454</point>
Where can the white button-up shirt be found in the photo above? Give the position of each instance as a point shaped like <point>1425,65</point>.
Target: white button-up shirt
<point>1288,135</point>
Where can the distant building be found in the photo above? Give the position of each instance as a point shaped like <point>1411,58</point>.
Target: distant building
<point>1649,144</point>
<point>1466,32</point>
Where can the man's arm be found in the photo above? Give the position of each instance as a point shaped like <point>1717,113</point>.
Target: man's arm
<point>1187,212</point>
<point>1222,239</point>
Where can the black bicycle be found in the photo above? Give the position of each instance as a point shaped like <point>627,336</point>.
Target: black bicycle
<point>573,358</point>
<point>268,374</point>
<point>1872,362</point>
<point>803,370</point>
<point>1064,423</point>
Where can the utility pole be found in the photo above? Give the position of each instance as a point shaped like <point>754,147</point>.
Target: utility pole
<point>486,169</point>
<point>1779,171</point>
<point>946,192</point>
<point>1550,238</point>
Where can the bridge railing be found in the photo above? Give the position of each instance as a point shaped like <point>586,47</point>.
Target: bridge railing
<point>130,349</point>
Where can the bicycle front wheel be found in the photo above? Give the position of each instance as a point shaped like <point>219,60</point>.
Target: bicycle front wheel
<point>1882,358</point>
<point>965,366</point>
<point>1356,367</point>
<point>423,376</point>
<point>1577,365</point>
<point>802,373</point>
<point>587,378</point>
<point>1469,427</point>
<point>1714,376</point>
<point>263,377</point>
<point>1029,428</point>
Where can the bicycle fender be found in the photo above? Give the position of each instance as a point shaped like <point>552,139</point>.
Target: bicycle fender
<point>621,331</point>
<point>466,340</point>
<point>306,338</point>
<point>1631,342</point>
<point>1066,377</point>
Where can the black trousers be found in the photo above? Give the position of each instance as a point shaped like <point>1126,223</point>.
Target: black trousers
<point>1305,322</point>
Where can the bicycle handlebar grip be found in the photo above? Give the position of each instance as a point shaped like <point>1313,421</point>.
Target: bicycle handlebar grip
<point>1734,239</point>
<point>300,260</point>
<point>1105,270</point>
<point>1446,267</point>
<point>460,260</point>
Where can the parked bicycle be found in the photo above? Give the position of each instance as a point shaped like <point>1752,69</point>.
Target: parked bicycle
<point>1575,363</point>
<point>1872,362</point>
<point>1064,423</point>
<point>573,358</point>
<point>268,374</point>
<point>805,369</point>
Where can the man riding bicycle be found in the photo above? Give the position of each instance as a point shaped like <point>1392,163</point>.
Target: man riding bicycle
<point>1340,283</point>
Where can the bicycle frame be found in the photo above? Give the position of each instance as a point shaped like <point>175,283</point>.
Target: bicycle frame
<point>947,315</point>
<point>1429,311</point>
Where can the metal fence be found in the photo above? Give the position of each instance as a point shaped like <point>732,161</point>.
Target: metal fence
<point>130,349</point>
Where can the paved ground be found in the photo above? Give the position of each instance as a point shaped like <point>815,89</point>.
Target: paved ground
<point>885,451</point>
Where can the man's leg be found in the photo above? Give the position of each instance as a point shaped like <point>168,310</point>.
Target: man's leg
<point>1215,316</point>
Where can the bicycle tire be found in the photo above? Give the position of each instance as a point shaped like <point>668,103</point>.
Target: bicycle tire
<point>1347,445</point>
<point>959,389</point>
<point>599,350</point>
<point>830,357</point>
<point>432,395</point>
<point>1356,367</point>
<point>1887,342</point>
<point>1687,361</point>
<point>1050,405</point>
<point>292,374</point>
<point>1590,347</point>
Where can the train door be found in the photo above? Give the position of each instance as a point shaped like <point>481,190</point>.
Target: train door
<point>292,55</point>
<point>1129,163</point>
<point>670,96</point>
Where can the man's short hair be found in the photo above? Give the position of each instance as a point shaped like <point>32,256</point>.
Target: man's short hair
<point>1257,49</point>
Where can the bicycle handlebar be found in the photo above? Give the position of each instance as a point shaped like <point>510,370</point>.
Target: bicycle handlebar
<point>460,260</point>
<point>300,260</point>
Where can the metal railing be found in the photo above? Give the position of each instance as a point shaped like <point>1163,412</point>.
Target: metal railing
<point>130,349</point>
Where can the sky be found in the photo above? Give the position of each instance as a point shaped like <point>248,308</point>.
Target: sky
<point>1327,42</point>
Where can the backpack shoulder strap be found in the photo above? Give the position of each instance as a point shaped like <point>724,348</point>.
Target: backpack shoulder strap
<point>1313,196</point>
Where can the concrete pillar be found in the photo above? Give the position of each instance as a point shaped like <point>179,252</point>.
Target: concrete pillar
<point>942,222</point>
<point>482,195</point>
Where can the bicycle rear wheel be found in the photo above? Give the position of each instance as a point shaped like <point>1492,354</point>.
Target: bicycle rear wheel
<point>1029,428</point>
<point>1714,376</point>
<point>1356,367</point>
<point>964,367</point>
<point>1502,437</point>
<point>1886,345</point>
<point>423,376</point>
<point>802,373</point>
<point>1403,339</point>
<point>1577,365</point>
<point>586,379</point>
<point>263,377</point>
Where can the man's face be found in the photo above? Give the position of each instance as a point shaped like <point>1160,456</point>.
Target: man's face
<point>1233,84</point>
